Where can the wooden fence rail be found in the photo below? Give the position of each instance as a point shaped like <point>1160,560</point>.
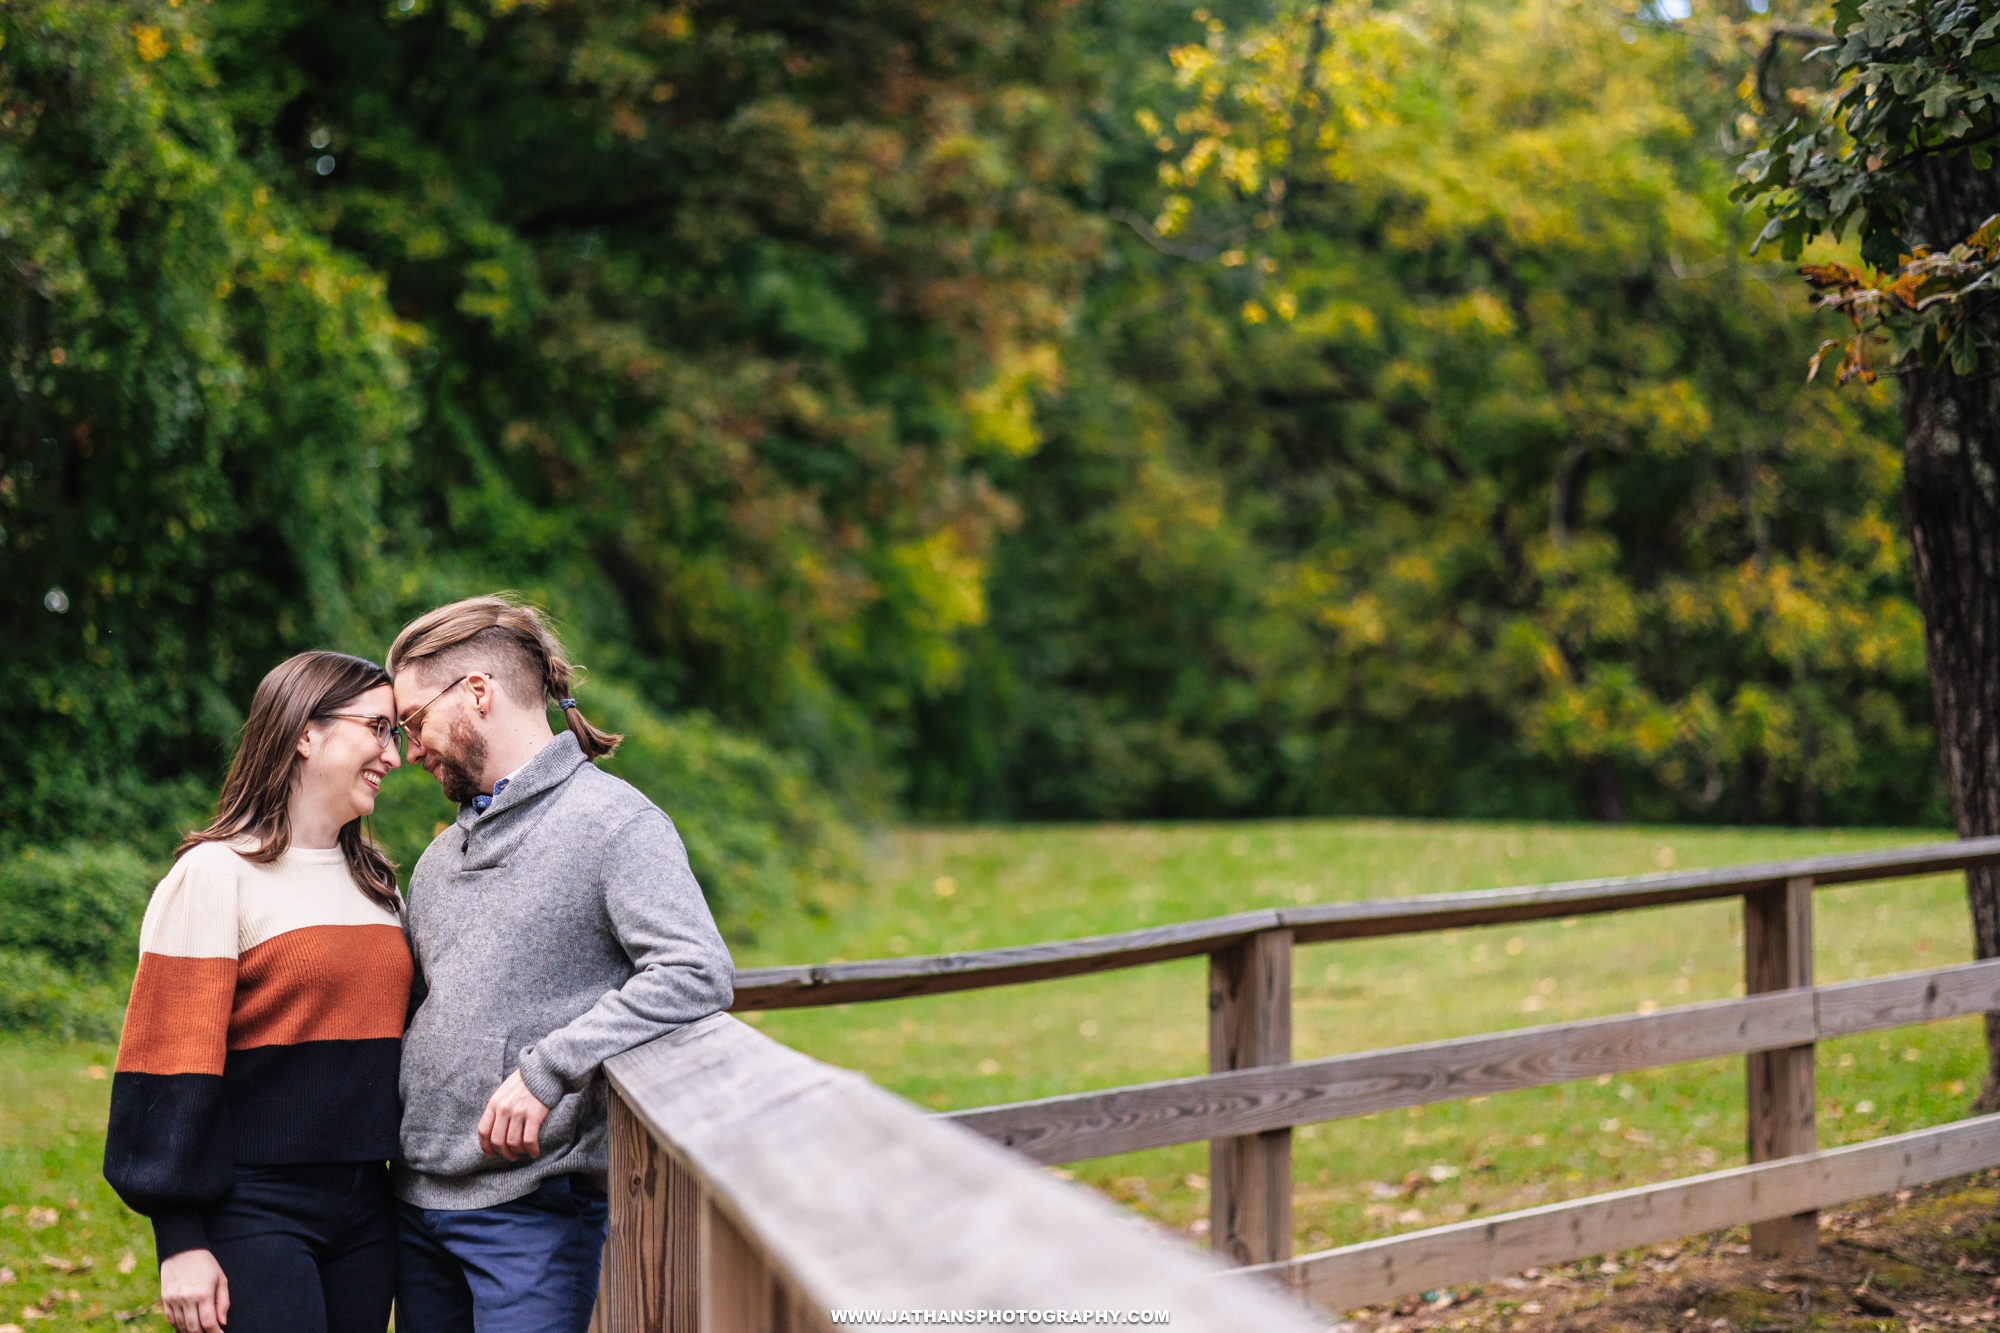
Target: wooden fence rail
<point>1255,1101</point>
<point>1254,1093</point>
<point>939,974</point>
<point>1381,1270</point>
<point>756,1190</point>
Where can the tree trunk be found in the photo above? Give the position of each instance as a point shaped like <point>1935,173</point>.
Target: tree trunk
<point>1951,501</point>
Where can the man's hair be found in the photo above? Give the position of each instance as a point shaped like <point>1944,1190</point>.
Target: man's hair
<point>502,635</point>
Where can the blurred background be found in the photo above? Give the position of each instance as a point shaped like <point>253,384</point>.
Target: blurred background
<point>944,411</point>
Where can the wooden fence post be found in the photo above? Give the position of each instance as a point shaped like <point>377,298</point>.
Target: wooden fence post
<point>1777,955</point>
<point>1249,1024</point>
<point>650,1268</point>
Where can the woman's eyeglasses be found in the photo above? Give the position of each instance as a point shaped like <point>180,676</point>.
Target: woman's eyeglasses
<point>385,729</point>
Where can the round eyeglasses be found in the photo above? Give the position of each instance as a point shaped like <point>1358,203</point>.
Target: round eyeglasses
<point>385,729</point>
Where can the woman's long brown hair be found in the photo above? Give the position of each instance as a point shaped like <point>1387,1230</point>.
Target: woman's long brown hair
<point>257,794</point>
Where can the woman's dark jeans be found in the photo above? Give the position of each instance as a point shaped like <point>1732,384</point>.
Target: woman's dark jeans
<point>307,1249</point>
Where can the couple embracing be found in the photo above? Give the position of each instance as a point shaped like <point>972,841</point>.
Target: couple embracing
<point>295,1027</point>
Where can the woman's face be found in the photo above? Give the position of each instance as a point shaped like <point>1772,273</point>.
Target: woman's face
<point>343,767</point>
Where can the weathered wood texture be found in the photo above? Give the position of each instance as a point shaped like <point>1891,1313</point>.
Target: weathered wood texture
<point>1779,1084</point>
<point>682,1255</point>
<point>1250,1026</point>
<point>891,978</point>
<point>854,1198</point>
<point>1188,1110</point>
<point>1380,1270</point>
<point>632,1297</point>
<point>739,1292</point>
<point>1912,997</point>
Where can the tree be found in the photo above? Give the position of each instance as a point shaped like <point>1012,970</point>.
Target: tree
<point>201,400</point>
<point>729,312</point>
<point>1430,449</point>
<point>1896,145</point>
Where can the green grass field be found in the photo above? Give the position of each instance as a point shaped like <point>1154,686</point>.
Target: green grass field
<point>69,1250</point>
<point>936,890</point>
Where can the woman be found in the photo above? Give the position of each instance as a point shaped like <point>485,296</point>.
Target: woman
<point>255,1105</point>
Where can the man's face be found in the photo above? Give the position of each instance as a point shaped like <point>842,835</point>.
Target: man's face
<point>443,740</point>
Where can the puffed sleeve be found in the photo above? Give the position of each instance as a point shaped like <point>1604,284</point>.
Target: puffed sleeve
<point>167,1148</point>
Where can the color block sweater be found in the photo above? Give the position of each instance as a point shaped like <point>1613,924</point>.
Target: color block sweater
<point>265,1029</point>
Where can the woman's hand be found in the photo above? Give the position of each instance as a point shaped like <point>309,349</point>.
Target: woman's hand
<point>195,1292</point>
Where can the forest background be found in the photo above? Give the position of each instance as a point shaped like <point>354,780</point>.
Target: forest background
<point>1067,409</point>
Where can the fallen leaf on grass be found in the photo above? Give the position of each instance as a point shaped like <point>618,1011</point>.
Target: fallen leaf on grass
<point>127,1263</point>
<point>82,1265</point>
<point>42,1217</point>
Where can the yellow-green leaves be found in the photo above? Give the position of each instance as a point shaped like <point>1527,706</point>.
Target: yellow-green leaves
<point>1272,99</point>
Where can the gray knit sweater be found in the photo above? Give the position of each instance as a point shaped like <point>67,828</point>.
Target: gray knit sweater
<point>555,930</point>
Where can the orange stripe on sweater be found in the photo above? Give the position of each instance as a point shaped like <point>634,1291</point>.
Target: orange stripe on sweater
<point>178,1022</point>
<point>322,983</point>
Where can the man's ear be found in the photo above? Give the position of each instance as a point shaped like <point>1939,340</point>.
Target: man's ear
<point>480,686</point>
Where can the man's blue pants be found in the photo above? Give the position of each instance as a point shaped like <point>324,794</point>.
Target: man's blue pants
<point>526,1266</point>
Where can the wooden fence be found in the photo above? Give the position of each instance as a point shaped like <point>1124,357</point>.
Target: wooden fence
<point>727,1148</point>
<point>756,1190</point>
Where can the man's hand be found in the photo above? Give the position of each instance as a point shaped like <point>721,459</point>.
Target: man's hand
<point>194,1292</point>
<point>511,1125</point>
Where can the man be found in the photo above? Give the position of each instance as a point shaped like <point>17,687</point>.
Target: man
<point>555,924</point>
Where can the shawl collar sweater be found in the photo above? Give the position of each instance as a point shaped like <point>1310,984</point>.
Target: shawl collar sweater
<point>552,931</point>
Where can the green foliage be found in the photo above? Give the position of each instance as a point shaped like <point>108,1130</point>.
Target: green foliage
<point>1910,80</point>
<point>1447,457</point>
<point>69,937</point>
<point>36,995</point>
<point>761,837</point>
<point>1909,85</point>
<point>167,324</point>
<point>207,438</point>
<point>79,905</point>
<point>729,308</point>
<point>1016,409</point>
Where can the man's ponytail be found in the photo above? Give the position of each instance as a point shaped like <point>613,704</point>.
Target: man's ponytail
<point>561,679</point>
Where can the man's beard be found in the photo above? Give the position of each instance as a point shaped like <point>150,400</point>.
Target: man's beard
<point>460,761</point>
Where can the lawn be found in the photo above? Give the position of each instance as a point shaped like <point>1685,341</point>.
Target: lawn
<point>69,1250</point>
<point>946,889</point>
<point>930,890</point>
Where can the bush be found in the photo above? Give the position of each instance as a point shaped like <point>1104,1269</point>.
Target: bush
<point>760,834</point>
<point>80,906</point>
<point>36,995</point>
<point>69,937</point>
